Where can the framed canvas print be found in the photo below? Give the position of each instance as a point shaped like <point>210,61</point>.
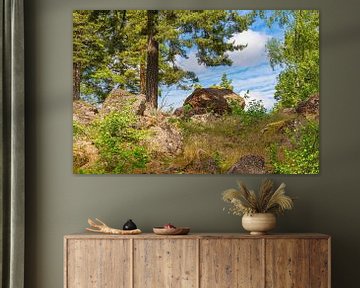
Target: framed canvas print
<point>196,92</point>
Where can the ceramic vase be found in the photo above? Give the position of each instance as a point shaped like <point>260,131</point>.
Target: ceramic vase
<point>259,223</point>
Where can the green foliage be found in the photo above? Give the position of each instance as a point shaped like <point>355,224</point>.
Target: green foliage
<point>88,48</point>
<point>119,143</point>
<point>111,45</point>
<point>219,160</point>
<point>297,54</point>
<point>197,85</point>
<point>304,157</point>
<point>206,30</point>
<point>254,112</point>
<point>223,140</point>
<point>187,108</point>
<point>226,83</point>
<point>120,52</point>
<point>78,129</point>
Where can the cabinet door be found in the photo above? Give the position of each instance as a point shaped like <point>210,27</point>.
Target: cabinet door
<point>231,263</point>
<point>287,263</point>
<point>98,263</point>
<point>167,263</point>
<point>320,263</point>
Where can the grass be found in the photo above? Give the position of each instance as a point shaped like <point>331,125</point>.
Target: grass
<point>227,139</point>
<point>216,144</point>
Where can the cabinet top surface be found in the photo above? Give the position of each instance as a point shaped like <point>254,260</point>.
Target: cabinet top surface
<point>87,235</point>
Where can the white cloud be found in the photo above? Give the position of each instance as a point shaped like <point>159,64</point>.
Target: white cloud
<point>191,63</point>
<point>250,70</point>
<point>254,53</point>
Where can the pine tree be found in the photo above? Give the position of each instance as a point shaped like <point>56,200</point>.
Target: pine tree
<point>152,65</point>
<point>87,47</point>
<point>226,82</point>
<point>208,31</point>
<point>141,48</point>
<point>104,53</point>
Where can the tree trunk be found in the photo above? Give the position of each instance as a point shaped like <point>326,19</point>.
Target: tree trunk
<point>152,69</point>
<point>142,77</point>
<point>76,81</point>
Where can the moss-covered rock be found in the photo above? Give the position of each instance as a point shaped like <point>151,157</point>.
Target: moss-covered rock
<point>118,99</point>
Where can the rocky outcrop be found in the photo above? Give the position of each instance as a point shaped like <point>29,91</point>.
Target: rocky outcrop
<point>83,112</point>
<point>118,99</point>
<point>310,107</point>
<point>164,138</point>
<point>283,126</point>
<point>209,100</point>
<point>249,164</point>
<point>85,154</point>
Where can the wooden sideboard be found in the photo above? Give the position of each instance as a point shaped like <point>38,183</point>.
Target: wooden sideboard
<point>197,260</point>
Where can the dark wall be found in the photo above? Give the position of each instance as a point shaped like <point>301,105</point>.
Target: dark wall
<point>59,202</point>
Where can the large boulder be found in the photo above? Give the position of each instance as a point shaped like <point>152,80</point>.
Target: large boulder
<point>234,99</point>
<point>310,107</point>
<point>118,99</point>
<point>83,112</point>
<point>210,100</point>
<point>249,164</point>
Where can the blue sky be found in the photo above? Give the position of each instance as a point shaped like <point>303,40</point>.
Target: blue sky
<point>250,69</point>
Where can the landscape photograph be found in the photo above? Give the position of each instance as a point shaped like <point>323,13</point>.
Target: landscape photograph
<point>196,92</point>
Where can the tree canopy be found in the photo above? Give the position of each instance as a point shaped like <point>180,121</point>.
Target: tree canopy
<point>297,54</point>
<point>139,49</point>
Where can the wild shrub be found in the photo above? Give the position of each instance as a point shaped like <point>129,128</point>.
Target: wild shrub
<point>254,113</point>
<point>303,158</point>
<point>187,108</point>
<point>118,142</point>
<point>78,129</point>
